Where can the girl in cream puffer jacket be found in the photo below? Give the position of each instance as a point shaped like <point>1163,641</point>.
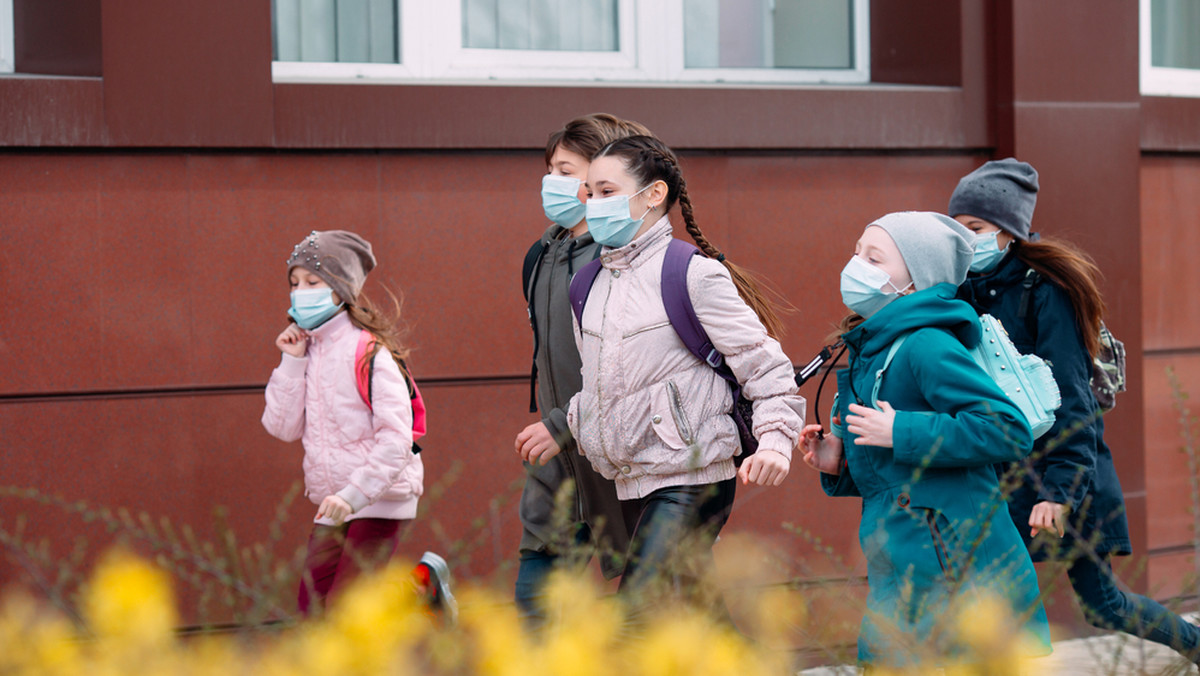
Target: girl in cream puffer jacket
<point>651,416</point>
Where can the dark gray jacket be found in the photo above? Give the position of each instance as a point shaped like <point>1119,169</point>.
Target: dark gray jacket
<point>558,379</point>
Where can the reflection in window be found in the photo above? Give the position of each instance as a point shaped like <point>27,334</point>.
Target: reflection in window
<point>1175,33</point>
<point>557,25</point>
<point>346,31</point>
<point>769,34</point>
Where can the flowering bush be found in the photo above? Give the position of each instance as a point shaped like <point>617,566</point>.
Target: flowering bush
<point>379,626</point>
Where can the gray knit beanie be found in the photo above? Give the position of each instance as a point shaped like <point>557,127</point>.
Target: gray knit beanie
<point>936,248</point>
<point>1002,192</point>
<point>341,258</point>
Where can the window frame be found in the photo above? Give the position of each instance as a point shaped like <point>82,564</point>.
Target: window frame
<point>431,52</point>
<point>1161,80</point>
<point>7,38</point>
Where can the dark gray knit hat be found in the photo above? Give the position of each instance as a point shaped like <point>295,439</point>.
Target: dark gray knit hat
<point>936,248</point>
<point>1002,192</point>
<point>341,258</point>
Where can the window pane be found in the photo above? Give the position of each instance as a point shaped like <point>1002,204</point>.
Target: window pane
<point>1175,33</point>
<point>555,25</point>
<point>769,33</point>
<point>348,31</point>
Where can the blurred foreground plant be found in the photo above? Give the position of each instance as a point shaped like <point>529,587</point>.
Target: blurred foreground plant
<point>378,626</point>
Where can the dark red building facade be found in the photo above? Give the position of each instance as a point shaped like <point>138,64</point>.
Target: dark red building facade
<point>153,175</point>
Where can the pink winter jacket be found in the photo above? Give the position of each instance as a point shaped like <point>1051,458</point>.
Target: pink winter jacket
<point>652,415</point>
<point>364,458</point>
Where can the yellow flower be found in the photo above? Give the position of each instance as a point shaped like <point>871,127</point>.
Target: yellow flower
<point>130,600</point>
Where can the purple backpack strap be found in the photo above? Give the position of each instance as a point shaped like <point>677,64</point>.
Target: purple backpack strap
<point>681,313</point>
<point>581,287</point>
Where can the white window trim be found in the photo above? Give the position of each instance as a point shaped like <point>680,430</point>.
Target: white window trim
<point>436,56</point>
<point>1158,80</point>
<point>7,38</point>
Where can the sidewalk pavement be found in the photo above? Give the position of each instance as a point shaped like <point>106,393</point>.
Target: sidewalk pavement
<point>1112,654</point>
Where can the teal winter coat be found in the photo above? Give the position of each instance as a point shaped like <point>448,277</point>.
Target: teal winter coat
<point>935,529</point>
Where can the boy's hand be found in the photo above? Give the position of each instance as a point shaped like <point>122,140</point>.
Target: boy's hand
<point>293,341</point>
<point>536,445</point>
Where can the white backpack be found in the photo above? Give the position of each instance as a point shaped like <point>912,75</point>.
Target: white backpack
<point>1025,378</point>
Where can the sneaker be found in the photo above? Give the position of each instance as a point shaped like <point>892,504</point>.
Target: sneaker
<point>434,574</point>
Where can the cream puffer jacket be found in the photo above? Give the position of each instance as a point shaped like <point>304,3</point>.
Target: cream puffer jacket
<point>651,414</point>
<point>363,457</point>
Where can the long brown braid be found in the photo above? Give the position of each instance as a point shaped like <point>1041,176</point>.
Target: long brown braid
<point>649,160</point>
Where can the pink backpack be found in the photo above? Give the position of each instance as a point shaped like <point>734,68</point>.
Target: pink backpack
<point>362,376</point>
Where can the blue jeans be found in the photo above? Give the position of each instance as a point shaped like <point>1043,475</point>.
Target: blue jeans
<point>535,567</point>
<point>671,518</point>
<point>1106,606</point>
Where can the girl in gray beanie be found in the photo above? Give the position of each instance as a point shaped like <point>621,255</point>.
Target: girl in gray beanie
<point>343,389</point>
<point>921,461</point>
<point>1066,499</point>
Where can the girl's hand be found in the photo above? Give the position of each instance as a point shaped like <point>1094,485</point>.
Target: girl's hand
<point>536,445</point>
<point>765,468</point>
<point>1048,516</point>
<point>293,341</point>
<point>335,509</point>
<point>823,455</point>
<point>874,428</point>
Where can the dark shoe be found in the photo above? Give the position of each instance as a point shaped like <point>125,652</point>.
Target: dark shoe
<point>434,573</point>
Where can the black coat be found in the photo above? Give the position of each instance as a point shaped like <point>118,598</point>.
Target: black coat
<point>1073,468</point>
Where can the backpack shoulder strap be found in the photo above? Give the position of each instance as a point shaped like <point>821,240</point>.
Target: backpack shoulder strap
<point>581,287</point>
<point>886,363</point>
<point>418,405</point>
<point>363,372</point>
<point>1032,279</point>
<point>532,257</point>
<point>678,303</point>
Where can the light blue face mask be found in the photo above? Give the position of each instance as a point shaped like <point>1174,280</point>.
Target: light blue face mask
<point>609,220</point>
<point>862,287</point>
<point>560,200</point>
<point>312,307</point>
<point>987,253</point>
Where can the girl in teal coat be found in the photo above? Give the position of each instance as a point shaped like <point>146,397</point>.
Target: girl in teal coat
<point>934,528</point>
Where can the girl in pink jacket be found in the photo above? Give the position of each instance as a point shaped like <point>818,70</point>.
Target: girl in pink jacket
<point>652,416</point>
<point>359,465</point>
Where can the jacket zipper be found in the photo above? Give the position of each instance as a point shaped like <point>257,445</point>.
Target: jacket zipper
<point>599,361</point>
<point>682,424</point>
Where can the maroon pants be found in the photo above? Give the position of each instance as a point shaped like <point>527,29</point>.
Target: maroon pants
<point>337,553</point>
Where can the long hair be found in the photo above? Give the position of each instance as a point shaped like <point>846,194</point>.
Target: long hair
<point>649,160</point>
<point>1069,267</point>
<point>586,135</point>
<point>386,327</point>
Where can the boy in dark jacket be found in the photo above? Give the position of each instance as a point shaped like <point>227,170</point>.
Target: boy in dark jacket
<point>567,509</point>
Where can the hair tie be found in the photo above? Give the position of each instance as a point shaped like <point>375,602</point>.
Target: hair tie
<point>721,257</point>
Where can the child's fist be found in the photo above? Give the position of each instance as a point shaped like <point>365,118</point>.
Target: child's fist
<point>293,341</point>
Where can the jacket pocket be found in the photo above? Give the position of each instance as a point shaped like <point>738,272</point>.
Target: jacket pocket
<point>644,329</point>
<point>667,418</point>
<point>945,544</point>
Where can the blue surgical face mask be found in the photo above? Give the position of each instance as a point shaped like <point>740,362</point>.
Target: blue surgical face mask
<point>862,287</point>
<point>609,220</point>
<point>987,253</point>
<point>312,307</point>
<point>560,200</point>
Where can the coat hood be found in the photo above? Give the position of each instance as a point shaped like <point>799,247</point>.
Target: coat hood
<point>929,308</point>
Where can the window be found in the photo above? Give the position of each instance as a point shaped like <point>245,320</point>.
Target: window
<point>697,41</point>
<point>1170,52</point>
<point>7,51</point>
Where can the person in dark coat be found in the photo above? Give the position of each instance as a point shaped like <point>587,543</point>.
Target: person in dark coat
<point>567,509</point>
<point>934,530</point>
<point>1045,293</point>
